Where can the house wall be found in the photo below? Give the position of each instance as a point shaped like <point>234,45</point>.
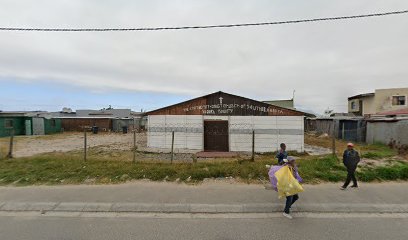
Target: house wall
<point>325,126</point>
<point>18,126</point>
<point>387,132</point>
<point>270,131</point>
<point>364,105</point>
<point>368,105</point>
<point>77,124</point>
<point>188,131</point>
<point>383,99</point>
<point>49,128</point>
<point>132,124</point>
<point>38,127</point>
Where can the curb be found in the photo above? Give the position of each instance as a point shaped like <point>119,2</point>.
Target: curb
<point>198,208</point>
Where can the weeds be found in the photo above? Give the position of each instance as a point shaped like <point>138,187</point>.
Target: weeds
<point>60,168</point>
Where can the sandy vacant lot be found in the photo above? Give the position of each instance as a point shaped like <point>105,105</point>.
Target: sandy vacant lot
<point>31,145</point>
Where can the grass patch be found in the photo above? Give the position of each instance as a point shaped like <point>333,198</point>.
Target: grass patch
<point>290,153</point>
<point>3,151</point>
<point>63,168</point>
<point>371,151</point>
<point>378,151</point>
<point>398,171</point>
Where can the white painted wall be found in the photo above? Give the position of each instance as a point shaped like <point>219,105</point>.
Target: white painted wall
<point>188,131</point>
<point>270,131</point>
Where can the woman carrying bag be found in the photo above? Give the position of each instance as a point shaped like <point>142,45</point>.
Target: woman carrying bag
<point>286,181</point>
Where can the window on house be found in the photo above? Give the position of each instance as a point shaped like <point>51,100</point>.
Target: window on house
<point>353,105</point>
<point>398,100</point>
<point>53,123</point>
<point>8,123</point>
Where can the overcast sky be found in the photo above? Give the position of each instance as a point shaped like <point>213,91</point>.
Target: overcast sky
<point>324,62</point>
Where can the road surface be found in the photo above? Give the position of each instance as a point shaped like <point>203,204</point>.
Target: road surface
<point>224,227</point>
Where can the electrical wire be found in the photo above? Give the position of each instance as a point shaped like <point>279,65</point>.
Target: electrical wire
<point>201,27</point>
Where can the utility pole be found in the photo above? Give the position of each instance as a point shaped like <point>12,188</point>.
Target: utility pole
<point>10,153</point>
<point>85,143</point>
<point>134,145</point>
<point>334,138</point>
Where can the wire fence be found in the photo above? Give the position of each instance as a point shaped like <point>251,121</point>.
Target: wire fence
<point>354,131</point>
<point>174,141</point>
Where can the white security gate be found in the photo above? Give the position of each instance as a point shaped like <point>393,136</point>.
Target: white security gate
<point>38,126</point>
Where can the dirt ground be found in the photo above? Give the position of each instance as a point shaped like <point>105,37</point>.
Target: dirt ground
<point>25,146</point>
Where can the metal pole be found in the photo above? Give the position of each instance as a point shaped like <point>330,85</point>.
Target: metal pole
<point>85,144</point>
<point>10,153</point>
<point>342,131</point>
<point>334,139</point>
<point>253,145</point>
<point>134,145</point>
<point>172,146</point>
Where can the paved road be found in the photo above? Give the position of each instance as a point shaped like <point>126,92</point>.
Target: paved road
<point>214,228</point>
<point>211,193</point>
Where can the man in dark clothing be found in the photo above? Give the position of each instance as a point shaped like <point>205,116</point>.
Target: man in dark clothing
<point>351,158</point>
<point>282,154</point>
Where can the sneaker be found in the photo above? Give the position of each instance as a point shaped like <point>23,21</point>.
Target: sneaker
<point>287,215</point>
<point>342,188</point>
<point>354,186</point>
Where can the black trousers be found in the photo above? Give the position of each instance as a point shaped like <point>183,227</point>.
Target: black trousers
<point>290,200</point>
<point>351,176</point>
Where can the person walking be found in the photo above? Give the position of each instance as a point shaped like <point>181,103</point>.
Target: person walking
<point>351,158</point>
<point>290,200</point>
<point>282,154</point>
<point>285,185</point>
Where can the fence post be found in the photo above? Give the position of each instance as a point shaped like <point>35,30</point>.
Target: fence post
<point>134,145</point>
<point>172,146</point>
<point>85,143</point>
<point>334,139</point>
<point>253,146</point>
<point>10,153</point>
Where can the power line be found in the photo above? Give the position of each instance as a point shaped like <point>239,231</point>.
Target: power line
<point>201,27</point>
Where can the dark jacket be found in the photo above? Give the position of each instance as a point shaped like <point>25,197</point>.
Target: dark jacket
<point>351,159</point>
<point>281,155</point>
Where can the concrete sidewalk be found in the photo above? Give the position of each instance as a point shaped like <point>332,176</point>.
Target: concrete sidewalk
<point>206,198</point>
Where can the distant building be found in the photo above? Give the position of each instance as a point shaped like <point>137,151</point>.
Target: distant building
<point>115,113</point>
<point>382,100</point>
<point>105,119</point>
<point>289,103</point>
<point>28,123</point>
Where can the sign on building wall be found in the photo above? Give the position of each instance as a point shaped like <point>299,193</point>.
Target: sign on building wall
<point>225,104</point>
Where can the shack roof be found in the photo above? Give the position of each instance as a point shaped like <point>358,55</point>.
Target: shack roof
<point>364,95</point>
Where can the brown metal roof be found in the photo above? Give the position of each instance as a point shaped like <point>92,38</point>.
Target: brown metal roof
<point>193,106</point>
